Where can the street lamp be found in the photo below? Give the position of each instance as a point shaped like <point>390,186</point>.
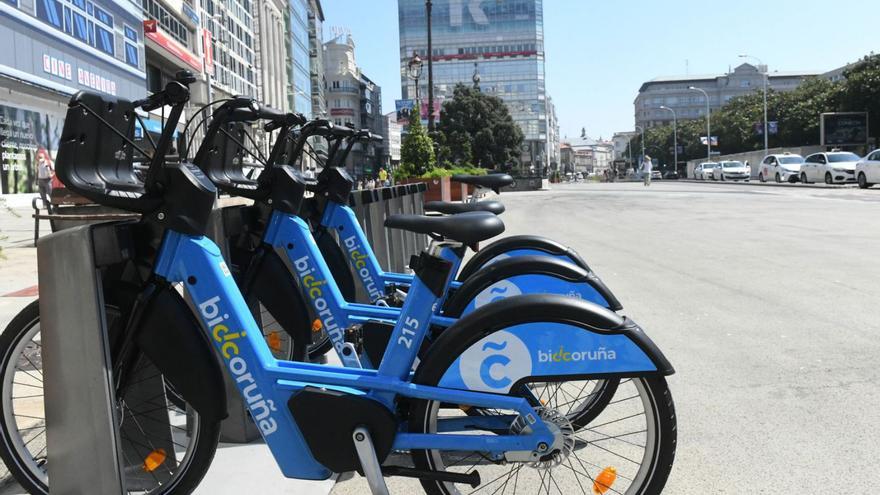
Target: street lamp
<point>708,123</point>
<point>766,76</point>
<point>674,135</point>
<point>430,71</point>
<point>414,72</point>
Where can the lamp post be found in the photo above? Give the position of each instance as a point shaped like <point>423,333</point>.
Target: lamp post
<point>430,71</point>
<point>674,136</point>
<point>766,77</point>
<point>414,72</point>
<point>642,130</point>
<point>708,123</point>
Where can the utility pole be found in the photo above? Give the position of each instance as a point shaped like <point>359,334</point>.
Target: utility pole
<point>430,71</point>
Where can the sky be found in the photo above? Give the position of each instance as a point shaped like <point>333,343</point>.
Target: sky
<point>599,52</point>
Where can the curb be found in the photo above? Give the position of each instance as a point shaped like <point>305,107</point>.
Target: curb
<point>756,182</point>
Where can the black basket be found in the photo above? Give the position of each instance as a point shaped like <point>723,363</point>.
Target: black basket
<point>97,151</point>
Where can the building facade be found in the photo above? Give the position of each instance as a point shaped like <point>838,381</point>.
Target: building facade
<point>621,143</point>
<point>586,155</point>
<point>353,99</point>
<point>52,50</point>
<point>229,46</point>
<point>316,65</point>
<point>673,92</point>
<point>299,59</point>
<point>392,135</point>
<point>553,152</point>
<point>503,41</point>
<point>270,33</point>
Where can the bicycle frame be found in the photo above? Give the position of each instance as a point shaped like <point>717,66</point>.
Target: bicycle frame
<point>265,382</point>
<point>342,219</point>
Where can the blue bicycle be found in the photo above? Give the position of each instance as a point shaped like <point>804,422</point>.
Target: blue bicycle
<point>318,419</point>
<point>271,224</point>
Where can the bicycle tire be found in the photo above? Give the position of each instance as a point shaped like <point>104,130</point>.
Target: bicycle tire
<point>206,436</point>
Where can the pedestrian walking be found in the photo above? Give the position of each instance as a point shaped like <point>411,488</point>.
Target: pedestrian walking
<point>383,177</point>
<point>647,167</point>
<point>44,178</point>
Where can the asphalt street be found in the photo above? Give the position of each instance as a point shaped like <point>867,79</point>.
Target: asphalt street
<point>764,299</point>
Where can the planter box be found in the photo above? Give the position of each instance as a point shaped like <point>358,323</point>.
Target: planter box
<point>434,192</point>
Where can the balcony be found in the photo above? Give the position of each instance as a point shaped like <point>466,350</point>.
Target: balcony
<point>349,90</point>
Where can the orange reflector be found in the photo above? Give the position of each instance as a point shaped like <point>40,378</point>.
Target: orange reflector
<point>154,460</point>
<point>604,481</point>
<point>316,326</point>
<point>274,341</point>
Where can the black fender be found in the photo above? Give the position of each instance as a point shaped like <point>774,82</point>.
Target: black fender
<point>172,338</point>
<point>513,243</point>
<point>530,308</point>
<point>524,265</point>
<point>337,261</point>
<point>271,283</point>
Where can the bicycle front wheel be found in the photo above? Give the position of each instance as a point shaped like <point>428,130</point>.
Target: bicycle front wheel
<point>167,447</point>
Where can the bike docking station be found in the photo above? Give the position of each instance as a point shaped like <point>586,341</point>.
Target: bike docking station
<point>83,433</point>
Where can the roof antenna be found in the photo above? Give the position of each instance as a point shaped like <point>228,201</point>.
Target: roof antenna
<point>687,67</point>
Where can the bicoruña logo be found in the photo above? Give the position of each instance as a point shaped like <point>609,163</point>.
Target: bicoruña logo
<point>360,266</point>
<point>226,340</point>
<point>495,363</point>
<point>563,356</point>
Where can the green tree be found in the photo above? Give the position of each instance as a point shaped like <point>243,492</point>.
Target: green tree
<point>416,151</point>
<point>861,91</point>
<point>478,130</point>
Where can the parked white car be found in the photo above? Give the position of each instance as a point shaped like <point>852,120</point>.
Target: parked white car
<point>833,167</point>
<point>704,170</point>
<point>781,168</point>
<point>868,170</point>
<point>732,171</point>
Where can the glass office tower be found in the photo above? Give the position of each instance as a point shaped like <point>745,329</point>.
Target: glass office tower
<point>502,41</point>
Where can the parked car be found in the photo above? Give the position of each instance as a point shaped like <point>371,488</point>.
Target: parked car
<point>832,167</point>
<point>704,170</point>
<point>656,175</point>
<point>781,168</point>
<point>868,170</point>
<point>731,171</point>
<point>670,175</point>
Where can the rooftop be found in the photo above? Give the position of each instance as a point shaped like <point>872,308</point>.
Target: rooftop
<point>744,68</point>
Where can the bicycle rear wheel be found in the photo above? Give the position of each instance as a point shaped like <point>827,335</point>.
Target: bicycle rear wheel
<point>627,449</point>
<point>167,447</point>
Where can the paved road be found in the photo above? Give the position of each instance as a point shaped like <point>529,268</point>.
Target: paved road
<point>765,300</point>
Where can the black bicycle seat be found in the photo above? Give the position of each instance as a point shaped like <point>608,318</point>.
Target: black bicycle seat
<point>450,208</point>
<point>468,228</point>
<point>492,181</point>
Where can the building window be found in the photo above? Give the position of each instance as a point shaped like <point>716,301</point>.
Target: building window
<point>104,17</point>
<point>104,40</point>
<point>80,27</point>
<point>50,12</point>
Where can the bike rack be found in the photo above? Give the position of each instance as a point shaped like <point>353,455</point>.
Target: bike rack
<point>84,443</point>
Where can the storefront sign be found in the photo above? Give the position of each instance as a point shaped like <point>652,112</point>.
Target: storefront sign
<point>208,50</point>
<point>173,47</point>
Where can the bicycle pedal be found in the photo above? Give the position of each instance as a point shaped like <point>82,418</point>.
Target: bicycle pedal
<point>472,478</point>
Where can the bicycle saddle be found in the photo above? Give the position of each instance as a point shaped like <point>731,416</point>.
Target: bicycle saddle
<point>468,228</point>
<point>492,181</point>
<point>449,208</point>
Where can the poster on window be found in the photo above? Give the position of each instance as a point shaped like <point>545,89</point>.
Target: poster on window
<point>27,138</point>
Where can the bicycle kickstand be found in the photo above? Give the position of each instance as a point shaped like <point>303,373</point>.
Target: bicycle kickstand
<point>369,462</point>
